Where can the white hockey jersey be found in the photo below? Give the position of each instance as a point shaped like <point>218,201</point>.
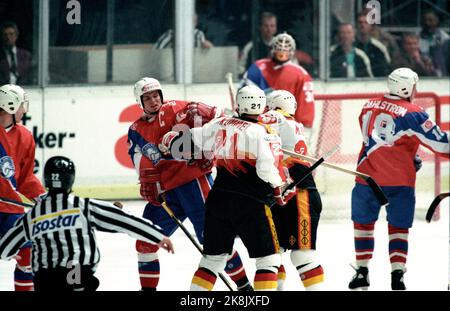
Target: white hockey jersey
<point>234,142</point>
<point>290,131</point>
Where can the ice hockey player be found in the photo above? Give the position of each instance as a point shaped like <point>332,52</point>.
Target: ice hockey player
<point>298,220</point>
<point>13,105</point>
<point>61,228</point>
<point>249,170</point>
<point>393,127</point>
<point>185,184</point>
<point>278,72</point>
<point>9,196</point>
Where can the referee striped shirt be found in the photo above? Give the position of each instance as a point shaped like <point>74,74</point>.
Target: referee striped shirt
<point>61,229</point>
<point>167,38</point>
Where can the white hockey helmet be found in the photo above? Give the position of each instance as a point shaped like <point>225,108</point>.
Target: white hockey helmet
<point>401,82</point>
<point>283,100</point>
<point>282,47</point>
<point>146,85</point>
<point>251,100</point>
<point>12,97</point>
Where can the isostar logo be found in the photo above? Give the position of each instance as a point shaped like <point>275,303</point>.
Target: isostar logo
<point>66,219</point>
<point>7,169</point>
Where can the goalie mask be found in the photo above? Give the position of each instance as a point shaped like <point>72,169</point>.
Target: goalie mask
<point>12,97</point>
<point>146,85</point>
<point>401,82</point>
<point>251,100</point>
<point>282,99</point>
<point>282,48</point>
<point>59,174</point>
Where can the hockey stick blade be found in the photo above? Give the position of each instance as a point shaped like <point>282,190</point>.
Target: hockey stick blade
<point>379,194</point>
<point>437,200</point>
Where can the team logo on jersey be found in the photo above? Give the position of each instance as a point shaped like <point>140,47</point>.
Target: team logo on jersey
<point>427,125</point>
<point>151,152</point>
<point>7,169</point>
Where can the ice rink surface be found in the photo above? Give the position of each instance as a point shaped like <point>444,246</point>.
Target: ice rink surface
<point>427,266</point>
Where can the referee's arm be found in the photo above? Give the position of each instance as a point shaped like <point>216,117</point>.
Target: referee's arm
<point>11,242</point>
<point>106,217</point>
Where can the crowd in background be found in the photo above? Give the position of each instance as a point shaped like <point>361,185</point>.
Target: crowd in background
<point>357,48</point>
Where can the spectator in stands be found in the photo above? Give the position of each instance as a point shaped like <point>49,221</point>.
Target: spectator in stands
<point>200,41</point>
<point>346,60</point>
<point>410,56</point>
<point>377,52</point>
<point>15,63</point>
<point>376,32</point>
<point>267,30</point>
<point>431,40</point>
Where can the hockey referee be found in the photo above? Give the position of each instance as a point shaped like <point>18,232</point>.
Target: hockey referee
<point>61,228</point>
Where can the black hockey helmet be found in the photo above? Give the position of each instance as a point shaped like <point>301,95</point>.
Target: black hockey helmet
<point>59,174</point>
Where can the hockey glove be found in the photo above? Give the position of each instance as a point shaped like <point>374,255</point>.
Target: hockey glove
<point>204,164</point>
<point>196,111</point>
<point>150,189</point>
<point>167,141</point>
<point>282,196</point>
<point>417,163</point>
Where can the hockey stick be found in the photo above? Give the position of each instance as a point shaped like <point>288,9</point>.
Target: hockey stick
<point>309,170</point>
<point>437,200</point>
<point>17,203</point>
<point>229,78</point>
<point>379,194</point>
<point>196,244</point>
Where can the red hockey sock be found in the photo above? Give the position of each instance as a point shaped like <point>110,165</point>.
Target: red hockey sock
<point>235,270</point>
<point>364,243</point>
<point>398,247</point>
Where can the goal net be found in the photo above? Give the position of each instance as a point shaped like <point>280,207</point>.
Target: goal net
<point>337,124</point>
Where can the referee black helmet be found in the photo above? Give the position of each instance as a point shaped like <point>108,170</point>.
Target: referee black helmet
<point>59,174</point>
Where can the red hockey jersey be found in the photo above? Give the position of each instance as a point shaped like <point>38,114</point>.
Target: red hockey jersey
<point>17,149</point>
<point>266,74</point>
<point>392,130</point>
<point>144,136</point>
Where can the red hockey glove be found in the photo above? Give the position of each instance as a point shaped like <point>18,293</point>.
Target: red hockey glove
<point>167,141</point>
<point>205,164</point>
<point>282,195</point>
<point>201,112</point>
<point>150,189</point>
